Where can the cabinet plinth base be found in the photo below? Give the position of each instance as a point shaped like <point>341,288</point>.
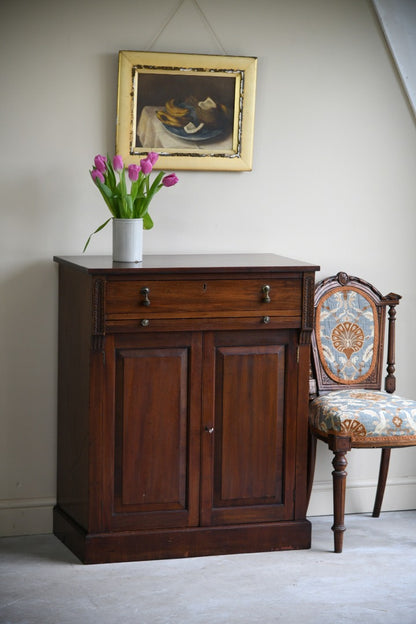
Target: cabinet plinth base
<point>179,543</point>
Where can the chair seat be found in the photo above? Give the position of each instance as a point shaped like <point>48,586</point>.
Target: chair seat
<point>371,418</point>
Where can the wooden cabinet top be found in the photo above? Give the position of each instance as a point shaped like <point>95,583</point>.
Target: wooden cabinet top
<point>188,263</point>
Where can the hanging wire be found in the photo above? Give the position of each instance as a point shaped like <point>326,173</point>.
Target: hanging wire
<point>170,18</point>
<point>172,15</point>
<point>205,19</point>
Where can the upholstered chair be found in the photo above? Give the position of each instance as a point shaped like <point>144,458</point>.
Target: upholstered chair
<point>349,409</point>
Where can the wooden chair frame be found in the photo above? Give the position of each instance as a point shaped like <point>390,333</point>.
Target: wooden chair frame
<point>340,444</point>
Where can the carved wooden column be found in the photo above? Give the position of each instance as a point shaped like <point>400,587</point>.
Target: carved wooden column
<point>392,300</point>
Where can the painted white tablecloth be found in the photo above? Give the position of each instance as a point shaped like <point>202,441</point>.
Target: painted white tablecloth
<point>153,135</point>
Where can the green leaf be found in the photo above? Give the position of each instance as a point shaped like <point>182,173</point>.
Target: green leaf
<point>129,203</point>
<point>143,207</point>
<point>95,232</point>
<point>108,197</point>
<point>138,206</point>
<point>123,186</point>
<point>147,222</point>
<point>134,189</point>
<point>111,176</point>
<point>105,190</point>
<point>156,186</point>
<point>140,185</point>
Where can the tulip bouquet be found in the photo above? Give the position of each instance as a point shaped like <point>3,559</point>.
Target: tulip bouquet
<point>128,199</point>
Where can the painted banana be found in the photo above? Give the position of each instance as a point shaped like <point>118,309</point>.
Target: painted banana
<point>176,111</point>
<point>170,120</point>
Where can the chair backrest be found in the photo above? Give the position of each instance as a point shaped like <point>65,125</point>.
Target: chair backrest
<point>348,338</point>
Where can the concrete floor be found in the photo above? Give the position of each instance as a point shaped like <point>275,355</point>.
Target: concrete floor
<point>373,580</point>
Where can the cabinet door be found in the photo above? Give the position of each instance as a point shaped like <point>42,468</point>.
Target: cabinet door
<point>156,407</point>
<point>249,422</point>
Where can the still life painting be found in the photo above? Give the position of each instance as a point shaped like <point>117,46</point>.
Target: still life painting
<point>196,111</point>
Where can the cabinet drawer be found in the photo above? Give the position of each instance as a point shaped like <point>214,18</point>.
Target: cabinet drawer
<point>202,298</point>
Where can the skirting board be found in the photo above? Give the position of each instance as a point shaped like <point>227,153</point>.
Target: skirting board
<point>34,516</point>
<point>400,495</point>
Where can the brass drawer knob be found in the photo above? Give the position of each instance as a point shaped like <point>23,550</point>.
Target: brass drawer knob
<point>145,292</point>
<point>266,293</point>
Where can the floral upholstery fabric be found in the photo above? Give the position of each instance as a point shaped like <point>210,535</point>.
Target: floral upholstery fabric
<point>370,417</point>
<point>347,325</point>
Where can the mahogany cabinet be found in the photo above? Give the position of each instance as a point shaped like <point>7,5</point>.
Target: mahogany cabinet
<point>182,405</point>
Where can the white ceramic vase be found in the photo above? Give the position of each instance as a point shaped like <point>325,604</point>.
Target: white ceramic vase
<point>127,240</point>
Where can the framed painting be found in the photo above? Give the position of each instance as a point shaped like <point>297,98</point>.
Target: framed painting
<point>196,111</point>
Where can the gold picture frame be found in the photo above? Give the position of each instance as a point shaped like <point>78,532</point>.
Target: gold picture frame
<point>196,111</point>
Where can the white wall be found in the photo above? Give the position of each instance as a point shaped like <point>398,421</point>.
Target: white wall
<point>333,183</point>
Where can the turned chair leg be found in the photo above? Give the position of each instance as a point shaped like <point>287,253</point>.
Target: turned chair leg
<point>382,478</point>
<point>340,445</point>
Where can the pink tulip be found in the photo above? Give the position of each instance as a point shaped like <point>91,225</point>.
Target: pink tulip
<point>170,180</point>
<point>133,171</point>
<point>146,166</point>
<point>97,175</point>
<point>118,163</point>
<point>153,156</point>
<point>100,163</point>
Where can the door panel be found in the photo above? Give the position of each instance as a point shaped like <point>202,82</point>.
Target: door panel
<point>156,432</point>
<point>152,427</point>
<point>250,419</point>
<point>248,458</point>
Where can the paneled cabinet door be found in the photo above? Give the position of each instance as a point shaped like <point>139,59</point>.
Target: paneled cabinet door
<point>156,429</point>
<point>249,422</point>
